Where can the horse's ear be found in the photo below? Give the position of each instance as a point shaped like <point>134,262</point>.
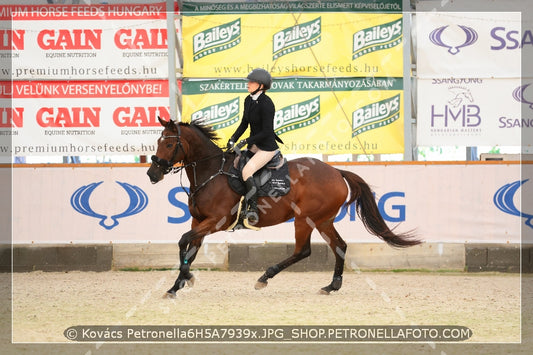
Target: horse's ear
<point>162,121</point>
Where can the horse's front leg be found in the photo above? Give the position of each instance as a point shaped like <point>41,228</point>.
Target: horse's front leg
<point>189,246</point>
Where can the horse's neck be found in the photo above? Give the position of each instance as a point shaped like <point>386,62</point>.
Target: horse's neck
<point>205,160</point>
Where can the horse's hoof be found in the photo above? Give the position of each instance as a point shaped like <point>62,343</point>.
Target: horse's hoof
<point>191,281</point>
<point>324,291</point>
<point>260,285</point>
<point>169,294</point>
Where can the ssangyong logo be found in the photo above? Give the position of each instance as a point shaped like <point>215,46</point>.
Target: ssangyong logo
<point>297,115</point>
<point>220,115</point>
<point>518,95</point>
<point>296,38</point>
<point>375,115</point>
<point>216,39</point>
<point>377,38</point>
<point>80,202</point>
<point>470,37</point>
<point>504,201</point>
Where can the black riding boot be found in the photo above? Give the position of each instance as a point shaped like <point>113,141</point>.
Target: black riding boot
<point>251,201</point>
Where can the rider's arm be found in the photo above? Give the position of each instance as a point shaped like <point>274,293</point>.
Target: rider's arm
<point>242,126</point>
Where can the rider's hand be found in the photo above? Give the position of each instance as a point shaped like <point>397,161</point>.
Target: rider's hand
<point>241,144</point>
<point>230,144</point>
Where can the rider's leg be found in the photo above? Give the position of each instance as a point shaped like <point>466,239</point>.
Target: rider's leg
<point>259,159</point>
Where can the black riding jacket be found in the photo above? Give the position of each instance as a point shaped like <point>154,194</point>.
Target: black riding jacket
<point>259,115</point>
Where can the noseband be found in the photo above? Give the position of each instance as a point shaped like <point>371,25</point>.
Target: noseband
<point>165,165</point>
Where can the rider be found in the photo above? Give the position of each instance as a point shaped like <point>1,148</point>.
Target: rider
<point>259,113</point>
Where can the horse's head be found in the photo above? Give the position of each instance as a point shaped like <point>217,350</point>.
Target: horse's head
<point>170,150</point>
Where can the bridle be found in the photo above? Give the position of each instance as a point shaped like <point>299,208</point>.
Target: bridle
<point>168,166</point>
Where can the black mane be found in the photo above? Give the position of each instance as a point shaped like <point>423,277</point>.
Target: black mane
<point>206,130</point>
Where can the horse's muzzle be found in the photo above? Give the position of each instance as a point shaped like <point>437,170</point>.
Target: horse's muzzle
<point>158,169</point>
<point>161,162</point>
<point>154,175</point>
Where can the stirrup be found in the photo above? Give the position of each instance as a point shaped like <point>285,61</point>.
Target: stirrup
<point>252,217</point>
<point>241,221</point>
<point>250,225</point>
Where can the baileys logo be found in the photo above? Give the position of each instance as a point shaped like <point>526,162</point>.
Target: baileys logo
<point>219,115</point>
<point>377,38</point>
<point>296,116</point>
<point>216,39</point>
<point>296,38</point>
<point>375,115</point>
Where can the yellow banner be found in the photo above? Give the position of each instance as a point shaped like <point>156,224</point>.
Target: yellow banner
<point>313,116</point>
<point>293,44</point>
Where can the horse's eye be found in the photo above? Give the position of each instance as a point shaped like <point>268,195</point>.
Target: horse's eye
<point>169,145</point>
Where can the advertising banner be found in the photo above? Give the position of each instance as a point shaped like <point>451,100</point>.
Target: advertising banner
<point>443,203</point>
<point>205,7</point>
<point>293,44</point>
<point>318,116</point>
<point>85,42</point>
<point>470,44</point>
<point>471,112</point>
<point>83,117</point>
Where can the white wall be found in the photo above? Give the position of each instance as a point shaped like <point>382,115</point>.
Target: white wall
<point>444,202</point>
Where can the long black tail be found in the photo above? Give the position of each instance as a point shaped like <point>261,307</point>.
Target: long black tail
<point>368,212</point>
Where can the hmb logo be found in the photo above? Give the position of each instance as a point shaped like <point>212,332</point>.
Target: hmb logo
<point>296,38</point>
<point>470,37</point>
<point>459,110</point>
<point>216,39</point>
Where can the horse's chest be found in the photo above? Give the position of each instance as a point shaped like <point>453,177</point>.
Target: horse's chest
<point>195,211</point>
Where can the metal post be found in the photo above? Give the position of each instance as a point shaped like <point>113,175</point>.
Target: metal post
<point>172,80</point>
<point>407,112</point>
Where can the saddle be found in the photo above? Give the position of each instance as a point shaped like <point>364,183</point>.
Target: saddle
<point>272,180</point>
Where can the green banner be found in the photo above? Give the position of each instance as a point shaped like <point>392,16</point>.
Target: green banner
<point>383,6</point>
<point>196,87</point>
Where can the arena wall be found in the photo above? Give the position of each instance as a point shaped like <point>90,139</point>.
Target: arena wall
<point>258,257</point>
<point>470,215</point>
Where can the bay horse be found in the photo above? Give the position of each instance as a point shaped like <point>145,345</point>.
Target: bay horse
<point>213,204</point>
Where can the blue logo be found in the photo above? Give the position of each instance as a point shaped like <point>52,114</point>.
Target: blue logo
<point>80,202</point>
<point>436,38</point>
<point>518,95</point>
<point>503,199</point>
<point>390,206</point>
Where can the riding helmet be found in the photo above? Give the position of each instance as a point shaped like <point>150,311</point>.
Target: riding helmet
<point>260,76</point>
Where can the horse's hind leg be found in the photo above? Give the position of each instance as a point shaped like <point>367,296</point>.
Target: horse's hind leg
<point>302,250</point>
<point>335,242</point>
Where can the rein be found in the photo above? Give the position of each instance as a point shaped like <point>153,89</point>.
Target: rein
<point>170,169</point>
<point>193,164</point>
<point>175,170</point>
